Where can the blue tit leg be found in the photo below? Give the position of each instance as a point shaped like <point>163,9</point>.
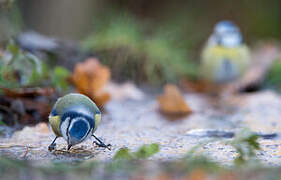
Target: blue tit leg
<point>69,146</point>
<point>101,144</point>
<point>52,146</point>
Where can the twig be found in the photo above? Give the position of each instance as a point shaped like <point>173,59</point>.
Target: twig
<point>26,151</point>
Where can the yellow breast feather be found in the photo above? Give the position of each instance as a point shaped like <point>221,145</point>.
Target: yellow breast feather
<point>213,56</point>
<point>55,124</point>
<point>97,121</point>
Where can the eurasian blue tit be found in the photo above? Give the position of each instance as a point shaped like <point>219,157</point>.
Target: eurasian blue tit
<point>225,57</point>
<point>75,117</point>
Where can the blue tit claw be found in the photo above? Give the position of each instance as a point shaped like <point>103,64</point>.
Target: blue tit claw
<point>107,146</point>
<point>101,144</point>
<point>52,147</point>
<point>69,146</point>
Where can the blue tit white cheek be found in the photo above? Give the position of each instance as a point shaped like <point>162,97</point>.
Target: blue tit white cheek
<point>64,128</point>
<point>231,40</point>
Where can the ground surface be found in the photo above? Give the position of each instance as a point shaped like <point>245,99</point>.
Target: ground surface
<point>132,123</point>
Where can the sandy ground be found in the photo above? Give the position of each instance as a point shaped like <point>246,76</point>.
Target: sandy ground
<point>132,123</point>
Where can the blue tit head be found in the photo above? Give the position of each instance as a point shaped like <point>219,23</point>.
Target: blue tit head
<point>226,34</point>
<point>76,126</point>
<point>74,117</point>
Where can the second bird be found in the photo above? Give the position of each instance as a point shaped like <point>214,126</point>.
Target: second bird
<point>225,57</point>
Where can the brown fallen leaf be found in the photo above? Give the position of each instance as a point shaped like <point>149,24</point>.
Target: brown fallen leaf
<point>172,102</point>
<point>163,176</point>
<point>90,78</point>
<point>197,174</point>
<point>227,176</point>
<point>200,86</point>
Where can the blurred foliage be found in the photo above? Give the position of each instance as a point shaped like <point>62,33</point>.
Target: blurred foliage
<point>143,152</point>
<point>246,145</point>
<point>132,52</point>
<point>128,168</point>
<point>193,162</point>
<point>273,77</point>
<point>6,3</point>
<point>11,21</point>
<point>59,79</point>
<point>19,69</point>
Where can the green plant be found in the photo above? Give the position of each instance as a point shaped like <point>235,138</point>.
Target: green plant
<point>59,78</point>
<point>246,146</point>
<point>134,52</point>
<point>143,152</point>
<point>245,143</point>
<point>273,77</point>
<point>19,69</point>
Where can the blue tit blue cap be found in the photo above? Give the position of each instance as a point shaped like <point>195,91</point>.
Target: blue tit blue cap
<point>224,26</point>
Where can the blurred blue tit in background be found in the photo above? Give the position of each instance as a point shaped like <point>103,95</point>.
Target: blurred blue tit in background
<point>225,57</point>
<point>75,117</point>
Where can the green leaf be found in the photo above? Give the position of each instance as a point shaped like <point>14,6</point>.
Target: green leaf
<point>1,120</point>
<point>146,151</point>
<point>143,152</point>
<point>60,78</point>
<point>252,141</point>
<point>123,153</point>
<point>14,49</point>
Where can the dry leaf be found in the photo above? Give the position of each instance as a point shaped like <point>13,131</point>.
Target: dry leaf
<point>172,101</point>
<point>90,78</point>
<point>227,176</point>
<point>163,176</point>
<point>24,110</point>
<point>201,86</point>
<point>197,174</point>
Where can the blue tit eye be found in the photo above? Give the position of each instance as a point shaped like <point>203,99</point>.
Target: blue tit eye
<point>79,130</point>
<point>98,112</point>
<point>53,112</point>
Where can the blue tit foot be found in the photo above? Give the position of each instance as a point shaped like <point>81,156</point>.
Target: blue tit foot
<point>108,146</point>
<point>99,143</point>
<point>52,146</point>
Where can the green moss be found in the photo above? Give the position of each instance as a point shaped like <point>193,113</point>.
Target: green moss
<point>273,77</point>
<point>136,53</point>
